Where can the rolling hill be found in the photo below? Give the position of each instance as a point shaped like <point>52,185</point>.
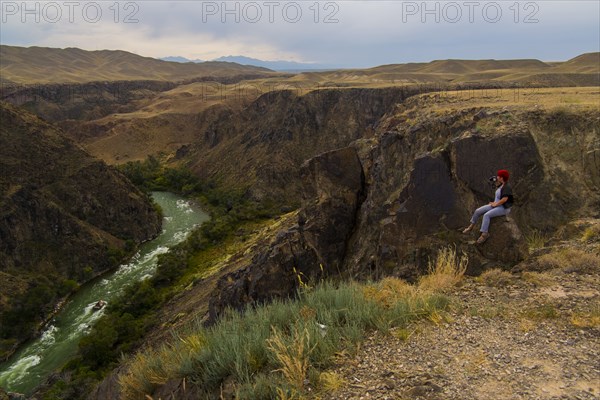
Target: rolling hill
<point>584,63</point>
<point>583,70</point>
<point>41,65</point>
<point>27,65</point>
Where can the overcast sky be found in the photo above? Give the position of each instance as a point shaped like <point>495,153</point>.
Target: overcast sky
<point>357,33</point>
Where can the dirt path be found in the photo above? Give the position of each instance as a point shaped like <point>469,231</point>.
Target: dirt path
<point>533,337</point>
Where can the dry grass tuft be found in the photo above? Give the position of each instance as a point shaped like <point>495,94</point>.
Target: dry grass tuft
<point>538,278</point>
<point>143,377</point>
<point>283,394</point>
<point>490,311</point>
<point>154,368</point>
<point>437,317</point>
<point>536,240</point>
<point>331,381</point>
<point>587,319</point>
<point>446,272</point>
<point>292,354</point>
<point>389,291</point>
<point>526,325</point>
<point>403,333</point>
<point>496,278</point>
<point>570,260</point>
<point>591,234</point>
<point>308,313</point>
<point>541,312</point>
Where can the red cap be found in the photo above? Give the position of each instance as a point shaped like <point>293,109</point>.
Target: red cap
<point>504,174</point>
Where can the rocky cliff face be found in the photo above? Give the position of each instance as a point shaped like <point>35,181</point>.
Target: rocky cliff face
<point>313,246</point>
<point>64,215</point>
<point>421,183</point>
<point>261,148</point>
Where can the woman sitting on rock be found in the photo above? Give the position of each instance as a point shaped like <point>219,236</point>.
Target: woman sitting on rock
<point>500,206</point>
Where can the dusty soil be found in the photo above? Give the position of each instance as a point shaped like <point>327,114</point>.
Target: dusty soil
<point>533,337</point>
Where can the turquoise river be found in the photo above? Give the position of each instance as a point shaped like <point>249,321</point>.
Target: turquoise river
<point>37,359</point>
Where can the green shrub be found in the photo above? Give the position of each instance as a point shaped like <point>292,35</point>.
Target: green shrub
<point>263,387</point>
<point>28,309</point>
<point>296,338</point>
<point>150,175</point>
<point>67,286</point>
<point>98,348</point>
<point>291,337</point>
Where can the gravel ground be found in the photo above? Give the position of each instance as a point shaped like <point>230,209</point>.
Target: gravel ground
<point>516,341</point>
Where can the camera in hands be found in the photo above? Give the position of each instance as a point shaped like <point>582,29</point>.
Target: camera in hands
<point>493,181</point>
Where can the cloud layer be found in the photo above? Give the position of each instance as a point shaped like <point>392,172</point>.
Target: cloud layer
<point>358,33</point>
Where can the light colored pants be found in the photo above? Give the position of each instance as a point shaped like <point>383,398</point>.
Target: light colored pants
<point>488,213</point>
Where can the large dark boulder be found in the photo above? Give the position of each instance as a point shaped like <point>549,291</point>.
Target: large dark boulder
<point>430,200</point>
<point>415,206</point>
<point>476,157</point>
<point>275,271</point>
<point>505,247</point>
<point>505,244</point>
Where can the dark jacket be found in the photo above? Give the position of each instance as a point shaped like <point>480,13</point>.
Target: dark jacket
<point>506,191</point>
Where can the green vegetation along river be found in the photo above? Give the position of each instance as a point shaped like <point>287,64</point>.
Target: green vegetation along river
<point>29,366</point>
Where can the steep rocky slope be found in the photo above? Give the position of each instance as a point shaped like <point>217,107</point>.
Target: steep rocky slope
<point>64,217</point>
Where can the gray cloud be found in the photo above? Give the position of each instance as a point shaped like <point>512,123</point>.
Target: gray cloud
<point>359,33</point>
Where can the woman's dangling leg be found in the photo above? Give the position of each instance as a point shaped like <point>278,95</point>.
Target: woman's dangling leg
<point>479,212</point>
<point>493,212</point>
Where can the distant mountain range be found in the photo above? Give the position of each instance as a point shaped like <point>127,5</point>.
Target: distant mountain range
<point>287,66</point>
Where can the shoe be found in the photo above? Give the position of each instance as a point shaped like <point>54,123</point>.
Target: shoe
<point>484,236</point>
<point>468,229</point>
